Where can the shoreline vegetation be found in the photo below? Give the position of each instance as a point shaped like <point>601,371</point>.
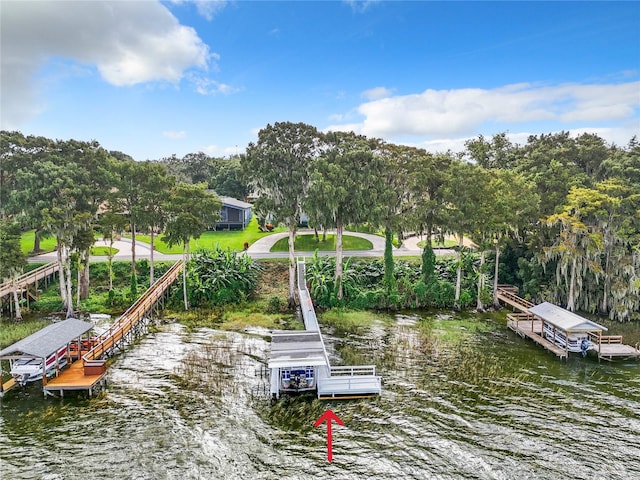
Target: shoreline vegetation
<point>265,310</point>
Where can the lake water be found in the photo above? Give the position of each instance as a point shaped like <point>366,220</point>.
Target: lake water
<point>458,402</point>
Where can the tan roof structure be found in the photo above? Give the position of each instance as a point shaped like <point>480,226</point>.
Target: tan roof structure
<point>564,319</point>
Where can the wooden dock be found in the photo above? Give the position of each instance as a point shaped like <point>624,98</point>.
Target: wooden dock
<point>528,325</point>
<point>332,382</point>
<point>27,284</point>
<point>508,294</point>
<point>90,371</point>
<point>130,320</point>
<point>611,347</point>
<point>74,378</point>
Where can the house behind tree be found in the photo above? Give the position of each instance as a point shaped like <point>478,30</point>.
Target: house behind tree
<point>234,215</point>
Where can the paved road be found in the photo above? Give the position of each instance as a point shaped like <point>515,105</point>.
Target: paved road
<point>258,250</point>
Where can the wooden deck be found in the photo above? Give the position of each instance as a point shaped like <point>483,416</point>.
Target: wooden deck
<point>90,371</point>
<point>345,382</point>
<point>129,319</point>
<point>527,326</point>
<point>610,351</point>
<point>73,378</point>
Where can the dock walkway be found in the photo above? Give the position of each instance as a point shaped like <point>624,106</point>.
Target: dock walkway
<point>336,381</point>
<point>528,327</point>
<point>25,281</point>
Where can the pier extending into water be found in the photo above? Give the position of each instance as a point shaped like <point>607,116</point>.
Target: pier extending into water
<point>531,320</point>
<point>306,352</point>
<point>88,358</point>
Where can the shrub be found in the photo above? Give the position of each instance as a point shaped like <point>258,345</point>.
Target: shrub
<point>220,277</point>
<point>275,304</point>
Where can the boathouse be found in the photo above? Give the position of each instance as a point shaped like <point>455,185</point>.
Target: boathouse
<point>561,331</point>
<point>567,329</point>
<point>299,362</point>
<point>49,347</point>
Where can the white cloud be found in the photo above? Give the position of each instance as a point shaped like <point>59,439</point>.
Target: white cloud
<point>360,6</point>
<point>437,114</point>
<point>205,8</point>
<point>207,86</point>
<point>128,43</point>
<point>210,150</point>
<point>209,8</point>
<point>174,135</point>
<point>376,93</point>
<point>619,136</point>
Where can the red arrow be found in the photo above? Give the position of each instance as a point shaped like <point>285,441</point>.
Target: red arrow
<point>328,416</point>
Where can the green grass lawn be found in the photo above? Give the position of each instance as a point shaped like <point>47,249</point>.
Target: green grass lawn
<point>447,243</point>
<point>233,239</point>
<point>46,244</point>
<point>307,243</point>
<point>103,251</point>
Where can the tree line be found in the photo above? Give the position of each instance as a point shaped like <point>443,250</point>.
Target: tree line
<point>69,189</point>
<point>558,216</point>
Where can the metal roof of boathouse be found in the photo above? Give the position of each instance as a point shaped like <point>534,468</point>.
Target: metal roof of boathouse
<point>47,340</point>
<point>290,348</point>
<point>564,319</point>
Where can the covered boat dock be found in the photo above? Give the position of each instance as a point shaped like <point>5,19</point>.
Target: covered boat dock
<point>561,331</point>
<point>45,344</point>
<point>299,362</point>
<point>566,329</point>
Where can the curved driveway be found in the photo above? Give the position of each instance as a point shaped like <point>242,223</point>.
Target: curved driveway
<point>258,250</point>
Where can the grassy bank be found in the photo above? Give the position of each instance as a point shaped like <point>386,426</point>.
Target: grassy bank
<point>11,332</point>
<point>308,243</point>
<point>233,239</point>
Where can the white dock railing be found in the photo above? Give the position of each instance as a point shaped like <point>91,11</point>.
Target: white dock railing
<point>353,370</point>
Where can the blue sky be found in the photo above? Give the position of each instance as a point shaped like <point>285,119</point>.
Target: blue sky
<point>153,79</point>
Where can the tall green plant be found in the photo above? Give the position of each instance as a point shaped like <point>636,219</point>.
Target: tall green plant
<point>219,277</point>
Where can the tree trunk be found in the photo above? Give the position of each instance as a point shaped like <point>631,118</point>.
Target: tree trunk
<point>292,267</point>
<point>315,232</point>
<point>78,274</point>
<point>338,278</point>
<point>496,302</point>
<point>36,241</point>
<point>83,284</point>
<point>134,270</point>
<point>185,260</point>
<point>18,312</point>
<point>606,285</point>
<point>459,274</point>
<point>481,281</point>
<point>70,312</point>
<point>572,281</point>
<point>62,277</point>
<point>151,270</point>
<point>429,234</point>
<point>388,261</point>
<point>110,263</point>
